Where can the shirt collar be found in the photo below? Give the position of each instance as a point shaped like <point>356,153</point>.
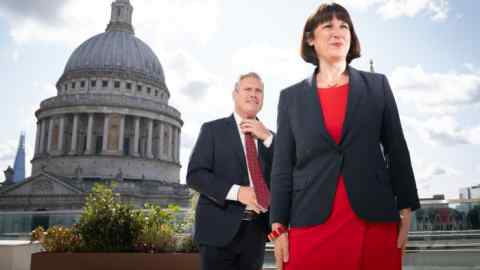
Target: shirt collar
<point>237,117</point>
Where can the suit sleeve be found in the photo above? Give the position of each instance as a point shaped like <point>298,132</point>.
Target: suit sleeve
<point>201,172</point>
<point>397,154</point>
<point>282,167</point>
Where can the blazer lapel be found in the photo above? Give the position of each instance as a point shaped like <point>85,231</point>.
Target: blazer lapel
<point>356,92</point>
<point>314,109</point>
<point>234,138</point>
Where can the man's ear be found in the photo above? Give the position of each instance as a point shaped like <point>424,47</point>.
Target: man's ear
<point>234,93</point>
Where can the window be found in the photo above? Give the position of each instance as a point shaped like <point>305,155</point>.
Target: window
<point>156,93</point>
<point>73,85</point>
<point>98,144</point>
<point>104,83</point>
<point>93,83</point>
<point>139,88</point>
<point>116,84</point>
<point>162,95</point>
<point>65,86</point>
<point>82,84</point>
<point>129,86</point>
<point>149,90</point>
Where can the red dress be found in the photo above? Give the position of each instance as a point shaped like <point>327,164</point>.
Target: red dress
<point>344,241</point>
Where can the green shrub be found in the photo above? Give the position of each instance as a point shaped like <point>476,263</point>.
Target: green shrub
<point>57,239</point>
<point>160,227</point>
<point>106,224</point>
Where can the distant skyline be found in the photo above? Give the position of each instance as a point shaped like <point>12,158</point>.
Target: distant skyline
<point>425,47</point>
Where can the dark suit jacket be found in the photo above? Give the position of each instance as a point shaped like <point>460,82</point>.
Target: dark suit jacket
<point>216,163</point>
<point>307,162</point>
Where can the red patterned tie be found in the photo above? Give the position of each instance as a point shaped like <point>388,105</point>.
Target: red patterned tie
<point>259,185</point>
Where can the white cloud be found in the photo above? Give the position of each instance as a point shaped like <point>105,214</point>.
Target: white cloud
<point>7,155</point>
<point>270,62</point>
<point>433,178</point>
<point>443,131</point>
<point>15,55</point>
<point>392,9</point>
<point>171,23</point>
<point>196,90</point>
<point>7,150</point>
<point>437,93</point>
<point>439,102</point>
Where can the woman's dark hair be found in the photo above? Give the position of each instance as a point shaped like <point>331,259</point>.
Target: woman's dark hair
<point>325,13</point>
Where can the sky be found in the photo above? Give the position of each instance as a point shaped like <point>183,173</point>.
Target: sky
<point>425,47</point>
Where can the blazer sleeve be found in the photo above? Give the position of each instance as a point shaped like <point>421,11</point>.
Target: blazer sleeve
<point>397,154</point>
<point>201,174</point>
<point>282,167</point>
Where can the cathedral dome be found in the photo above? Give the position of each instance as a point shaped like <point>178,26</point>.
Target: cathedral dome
<point>118,51</point>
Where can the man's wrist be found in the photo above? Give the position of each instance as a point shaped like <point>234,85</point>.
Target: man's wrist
<point>268,140</point>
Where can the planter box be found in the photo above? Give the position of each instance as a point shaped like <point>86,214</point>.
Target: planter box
<point>115,261</point>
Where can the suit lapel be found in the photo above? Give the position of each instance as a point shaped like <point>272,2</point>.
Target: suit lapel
<point>314,109</point>
<point>356,91</point>
<point>234,138</point>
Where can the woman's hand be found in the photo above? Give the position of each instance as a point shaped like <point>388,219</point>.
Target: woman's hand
<point>281,247</point>
<point>405,219</point>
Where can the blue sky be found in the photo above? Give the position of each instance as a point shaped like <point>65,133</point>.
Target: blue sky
<point>425,47</point>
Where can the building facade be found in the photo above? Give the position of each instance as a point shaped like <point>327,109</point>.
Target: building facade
<point>110,121</point>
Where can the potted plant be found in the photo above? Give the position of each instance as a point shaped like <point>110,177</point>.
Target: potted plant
<point>114,235</point>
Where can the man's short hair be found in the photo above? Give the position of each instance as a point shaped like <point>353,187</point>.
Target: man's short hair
<point>248,75</point>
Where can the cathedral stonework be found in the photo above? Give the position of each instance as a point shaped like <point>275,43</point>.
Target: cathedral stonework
<point>110,120</point>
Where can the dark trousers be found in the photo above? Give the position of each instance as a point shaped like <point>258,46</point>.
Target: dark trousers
<point>244,252</point>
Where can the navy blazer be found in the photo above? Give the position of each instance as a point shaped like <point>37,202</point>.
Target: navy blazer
<point>217,162</point>
<point>372,155</point>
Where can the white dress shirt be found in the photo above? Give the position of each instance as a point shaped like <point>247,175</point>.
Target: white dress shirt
<point>233,192</point>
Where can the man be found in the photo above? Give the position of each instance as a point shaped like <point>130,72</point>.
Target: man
<point>230,168</point>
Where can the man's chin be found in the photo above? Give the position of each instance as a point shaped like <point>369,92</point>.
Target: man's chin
<point>252,114</point>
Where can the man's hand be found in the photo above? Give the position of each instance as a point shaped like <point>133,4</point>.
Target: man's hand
<point>280,248</point>
<point>404,226</point>
<point>256,128</point>
<point>246,195</point>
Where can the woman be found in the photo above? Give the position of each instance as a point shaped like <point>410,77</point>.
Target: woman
<point>342,181</point>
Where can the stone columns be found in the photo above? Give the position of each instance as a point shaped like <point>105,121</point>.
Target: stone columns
<point>160,140</point>
<point>178,144</point>
<point>89,146</point>
<point>73,148</point>
<point>136,136</point>
<point>105,133</point>
<point>49,138</point>
<point>61,135</point>
<point>121,134</point>
<point>42,136</point>
<point>169,144</point>
<point>37,137</point>
<point>150,138</point>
